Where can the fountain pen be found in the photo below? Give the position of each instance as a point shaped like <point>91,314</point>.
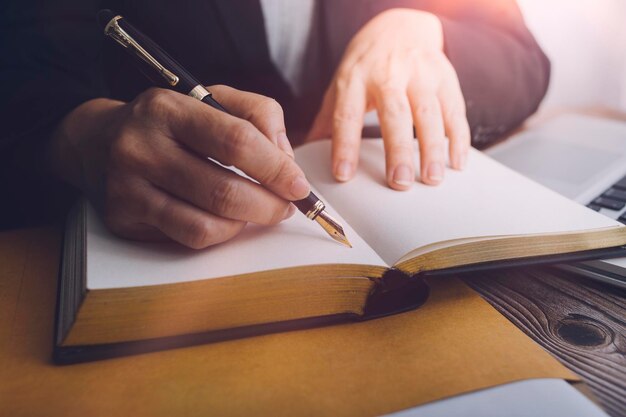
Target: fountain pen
<point>165,71</point>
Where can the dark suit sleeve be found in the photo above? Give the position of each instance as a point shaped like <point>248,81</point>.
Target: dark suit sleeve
<point>48,66</point>
<point>502,70</point>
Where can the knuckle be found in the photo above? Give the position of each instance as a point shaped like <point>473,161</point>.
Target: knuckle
<point>347,79</point>
<point>225,197</point>
<point>128,152</point>
<point>160,209</point>
<point>345,72</point>
<point>429,56</point>
<point>271,106</point>
<point>278,171</point>
<point>344,79</point>
<point>424,109</point>
<point>346,115</point>
<point>238,140</point>
<point>154,103</point>
<point>199,233</point>
<point>159,99</point>
<point>395,105</point>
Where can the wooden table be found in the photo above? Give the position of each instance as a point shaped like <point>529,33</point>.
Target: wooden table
<point>579,321</point>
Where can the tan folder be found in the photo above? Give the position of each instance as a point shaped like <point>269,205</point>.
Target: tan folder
<point>454,344</point>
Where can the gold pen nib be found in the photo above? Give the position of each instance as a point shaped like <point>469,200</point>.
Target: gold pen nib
<point>333,228</point>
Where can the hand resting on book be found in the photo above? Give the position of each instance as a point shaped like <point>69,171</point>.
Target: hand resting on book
<point>396,65</point>
<point>145,165</point>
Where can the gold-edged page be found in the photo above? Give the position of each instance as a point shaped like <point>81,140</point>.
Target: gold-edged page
<point>113,262</point>
<point>485,200</point>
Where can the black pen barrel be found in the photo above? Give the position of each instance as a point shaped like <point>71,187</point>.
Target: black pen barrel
<point>184,82</point>
<point>178,79</point>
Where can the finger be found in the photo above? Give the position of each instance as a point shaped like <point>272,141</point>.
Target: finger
<point>455,121</point>
<point>263,112</point>
<point>323,123</point>
<point>136,209</point>
<point>124,213</point>
<point>188,225</point>
<point>142,232</point>
<point>231,141</point>
<point>347,125</point>
<point>430,133</point>
<point>394,113</point>
<point>215,189</point>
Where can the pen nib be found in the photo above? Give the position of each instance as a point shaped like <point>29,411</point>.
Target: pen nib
<point>333,228</point>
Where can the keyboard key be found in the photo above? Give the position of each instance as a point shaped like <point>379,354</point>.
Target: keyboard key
<point>594,206</point>
<point>615,194</point>
<point>622,218</point>
<point>621,184</point>
<point>609,203</point>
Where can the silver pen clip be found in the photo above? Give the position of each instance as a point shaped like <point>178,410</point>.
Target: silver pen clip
<point>114,30</point>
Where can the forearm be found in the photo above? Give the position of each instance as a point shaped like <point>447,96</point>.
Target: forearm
<point>502,78</point>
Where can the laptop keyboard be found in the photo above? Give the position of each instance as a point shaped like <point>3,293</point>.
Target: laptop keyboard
<point>613,199</point>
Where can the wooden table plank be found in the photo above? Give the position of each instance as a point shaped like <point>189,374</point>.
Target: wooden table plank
<point>579,321</point>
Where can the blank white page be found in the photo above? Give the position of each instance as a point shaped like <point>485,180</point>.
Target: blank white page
<point>113,262</point>
<point>486,199</point>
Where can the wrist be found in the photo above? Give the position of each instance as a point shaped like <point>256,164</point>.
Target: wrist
<point>423,28</point>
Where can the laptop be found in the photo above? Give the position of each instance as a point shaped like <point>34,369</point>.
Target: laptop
<point>584,159</point>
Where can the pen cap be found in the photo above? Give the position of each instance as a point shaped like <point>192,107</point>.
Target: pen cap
<point>153,61</point>
<point>104,16</point>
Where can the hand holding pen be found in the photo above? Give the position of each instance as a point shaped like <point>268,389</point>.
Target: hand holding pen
<point>145,163</point>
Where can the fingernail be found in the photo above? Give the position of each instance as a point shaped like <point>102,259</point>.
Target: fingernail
<point>284,144</point>
<point>435,171</point>
<point>403,176</point>
<point>291,209</point>
<point>343,172</point>
<point>300,188</point>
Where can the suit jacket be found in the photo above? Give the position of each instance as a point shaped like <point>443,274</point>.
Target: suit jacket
<point>53,57</point>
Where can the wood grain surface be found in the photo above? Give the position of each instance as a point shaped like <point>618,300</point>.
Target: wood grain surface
<point>580,321</point>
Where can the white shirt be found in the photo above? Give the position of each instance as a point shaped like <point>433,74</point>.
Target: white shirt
<point>288,27</point>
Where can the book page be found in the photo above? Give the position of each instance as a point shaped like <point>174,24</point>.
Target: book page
<point>114,262</point>
<point>486,199</point>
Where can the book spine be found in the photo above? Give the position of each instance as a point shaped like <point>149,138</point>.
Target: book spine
<point>394,293</point>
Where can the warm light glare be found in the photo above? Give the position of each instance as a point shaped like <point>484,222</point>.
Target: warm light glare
<point>586,43</point>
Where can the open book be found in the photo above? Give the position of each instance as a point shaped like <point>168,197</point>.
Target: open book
<point>119,296</point>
